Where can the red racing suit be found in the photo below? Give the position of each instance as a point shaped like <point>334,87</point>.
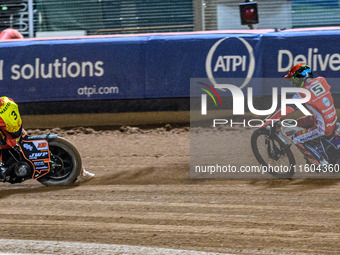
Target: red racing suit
<point>324,118</point>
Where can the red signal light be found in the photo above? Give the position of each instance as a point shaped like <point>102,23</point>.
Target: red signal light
<point>248,13</point>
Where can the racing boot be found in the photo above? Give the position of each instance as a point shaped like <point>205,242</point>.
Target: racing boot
<point>86,175</point>
<point>310,159</point>
<point>313,156</point>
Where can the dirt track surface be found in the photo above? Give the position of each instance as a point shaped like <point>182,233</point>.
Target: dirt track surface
<point>142,195</point>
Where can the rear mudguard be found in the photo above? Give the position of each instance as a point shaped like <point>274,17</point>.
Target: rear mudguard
<point>47,137</point>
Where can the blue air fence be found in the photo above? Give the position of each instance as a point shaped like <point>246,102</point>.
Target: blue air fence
<point>158,66</point>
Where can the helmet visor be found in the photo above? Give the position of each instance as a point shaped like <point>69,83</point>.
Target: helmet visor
<point>306,72</point>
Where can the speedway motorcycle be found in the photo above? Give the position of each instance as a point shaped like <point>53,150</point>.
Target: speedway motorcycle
<point>49,159</point>
<point>271,145</point>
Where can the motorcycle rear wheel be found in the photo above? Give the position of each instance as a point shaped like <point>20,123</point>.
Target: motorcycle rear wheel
<point>66,163</point>
<point>259,145</point>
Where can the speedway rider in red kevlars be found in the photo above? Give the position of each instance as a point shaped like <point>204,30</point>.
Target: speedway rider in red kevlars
<point>324,118</point>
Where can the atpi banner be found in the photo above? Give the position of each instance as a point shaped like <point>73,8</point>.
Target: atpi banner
<point>59,70</point>
<point>159,66</point>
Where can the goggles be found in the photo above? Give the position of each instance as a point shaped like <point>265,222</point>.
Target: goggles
<point>304,72</point>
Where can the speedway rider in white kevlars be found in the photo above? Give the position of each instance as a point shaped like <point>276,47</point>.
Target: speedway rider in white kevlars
<point>324,118</point>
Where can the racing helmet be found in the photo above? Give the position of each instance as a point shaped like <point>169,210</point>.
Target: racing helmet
<point>298,74</point>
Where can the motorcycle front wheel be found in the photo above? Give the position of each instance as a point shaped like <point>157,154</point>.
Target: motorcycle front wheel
<point>65,163</point>
<point>274,154</point>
